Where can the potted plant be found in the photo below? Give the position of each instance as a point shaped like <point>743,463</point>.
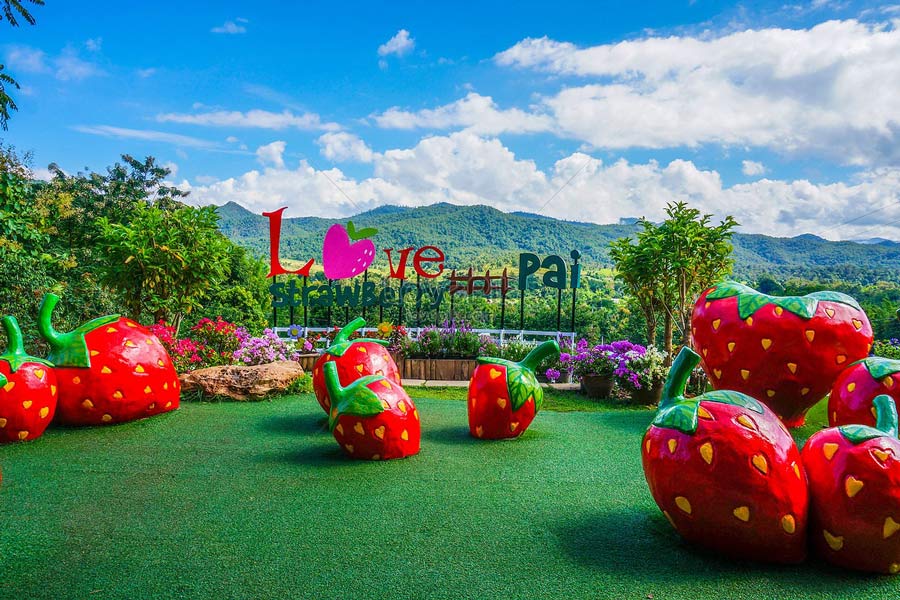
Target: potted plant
<point>594,367</point>
<point>643,372</point>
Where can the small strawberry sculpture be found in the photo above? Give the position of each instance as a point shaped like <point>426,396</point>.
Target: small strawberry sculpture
<point>504,396</point>
<point>850,402</point>
<point>854,482</point>
<point>109,370</point>
<point>372,418</point>
<point>784,351</point>
<point>28,389</point>
<point>354,358</point>
<point>725,472</point>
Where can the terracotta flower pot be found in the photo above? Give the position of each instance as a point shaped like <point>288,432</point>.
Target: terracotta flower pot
<point>597,386</point>
<point>648,395</point>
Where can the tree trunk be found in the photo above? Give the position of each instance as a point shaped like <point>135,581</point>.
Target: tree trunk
<point>668,339</point>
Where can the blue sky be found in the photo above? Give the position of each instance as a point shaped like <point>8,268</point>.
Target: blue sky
<point>784,115</point>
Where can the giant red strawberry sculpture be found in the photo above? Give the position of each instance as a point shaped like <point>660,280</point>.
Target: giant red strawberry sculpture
<point>725,472</point>
<point>784,351</point>
<point>850,401</point>
<point>28,389</point>
<point>373,418</point>
<point>109,370</point>
<point>854,482</point>
<point>354,359</point>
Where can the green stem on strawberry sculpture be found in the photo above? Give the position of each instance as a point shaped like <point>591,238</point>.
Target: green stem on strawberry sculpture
<point>15,353</point>
<point>885,422</point>
<point>67,349</point>
<point>539,354</point>
<point>678,412</point>
<point>355,399</point>
<point>342,341</point>
<point>521,381</point>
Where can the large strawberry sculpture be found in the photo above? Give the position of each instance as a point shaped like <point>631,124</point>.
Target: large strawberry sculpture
<point>354,359</point>
<point>372,418</point>
<point>28,389</point>
<point>725,472</point>
<point>850,401</point>
<point>109,370</point>
<point>784,351</point>
<point>854,482</point>
<point>504,396</point>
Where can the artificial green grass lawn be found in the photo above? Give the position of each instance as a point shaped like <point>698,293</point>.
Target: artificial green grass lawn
<point>233,500</point>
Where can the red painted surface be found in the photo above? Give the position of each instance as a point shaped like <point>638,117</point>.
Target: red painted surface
<point>736,485</point>
<point>131,376</point>
<point>394,433</point>
<point>785,361</point>
<point>855,500</point>
<point>491,415</point>
<point>851,396</point>
<point>361,359</point>
<point>27,401</point>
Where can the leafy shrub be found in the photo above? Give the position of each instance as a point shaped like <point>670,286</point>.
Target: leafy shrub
<point>302,385</point>
<point>264,349</point>
<point>887,348</point>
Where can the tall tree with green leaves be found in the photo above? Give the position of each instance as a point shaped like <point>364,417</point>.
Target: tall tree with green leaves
<point>670,264</point>
<point>165,262</point>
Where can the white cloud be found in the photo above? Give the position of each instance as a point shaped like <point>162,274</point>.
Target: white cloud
<point>475,112</point>
<point>342,146</point>
<point>232,139</point>
<point>94,44</point>
<point>148,135</point>
<point>464,168</point>
<point>172,167</point>
<point>26,59</point>
<point>145,73</point>
<point>829,89</point>
<point>261,119</point>
<point>272,154</point>
<point>70,67</point>
<point>752,168</point>
<point>66,66</point>
<point>231,27</point>
<point>399,45</point>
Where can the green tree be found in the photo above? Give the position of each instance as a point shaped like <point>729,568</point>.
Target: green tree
<point>164,262</point>
<point>671,264</point>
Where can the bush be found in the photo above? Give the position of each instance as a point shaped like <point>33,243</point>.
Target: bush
<point>887,348</point>
<point>264,349</point>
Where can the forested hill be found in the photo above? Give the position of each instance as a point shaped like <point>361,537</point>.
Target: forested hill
<point>480,235</point>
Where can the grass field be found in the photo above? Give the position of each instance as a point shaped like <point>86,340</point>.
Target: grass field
<point>231,500</point>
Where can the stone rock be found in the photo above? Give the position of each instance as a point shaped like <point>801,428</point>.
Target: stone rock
<point>242,382</point>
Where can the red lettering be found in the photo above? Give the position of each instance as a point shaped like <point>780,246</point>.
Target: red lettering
<point>275,267</point>
<point>420,258</point>
<point>400,271</point>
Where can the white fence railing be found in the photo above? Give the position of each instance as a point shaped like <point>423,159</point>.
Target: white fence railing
<point>502,336</point>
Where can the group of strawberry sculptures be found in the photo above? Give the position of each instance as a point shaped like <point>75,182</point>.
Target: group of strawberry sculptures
<point>370,415</point>
<point>724,469</point>
<point>108,370</point>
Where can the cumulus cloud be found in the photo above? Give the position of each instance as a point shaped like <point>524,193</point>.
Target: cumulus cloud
<point>829,89</point>
<point>399,45</point>
<point>475,112</point>
<point>260,119</point>
<point>752,168</point>
<point>272,154</point>
<point>66,66</point>
<point>464,168</point>
<point>342,147</point>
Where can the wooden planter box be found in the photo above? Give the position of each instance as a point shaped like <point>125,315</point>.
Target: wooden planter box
<point>437,369</point>
<point>308,361</point>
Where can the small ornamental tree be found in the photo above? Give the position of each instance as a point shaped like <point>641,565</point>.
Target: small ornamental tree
<point>670,264</point>
<point>164,262</point>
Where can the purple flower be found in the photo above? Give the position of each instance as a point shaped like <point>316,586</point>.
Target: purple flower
<point>552,375</point>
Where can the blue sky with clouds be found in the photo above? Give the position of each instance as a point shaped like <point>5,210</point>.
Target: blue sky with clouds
<point>784,115</point>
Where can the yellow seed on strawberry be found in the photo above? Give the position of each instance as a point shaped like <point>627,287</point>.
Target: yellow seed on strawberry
<point>130,344</point>
<point>379,432</point>
<point>746,421</point>
<point>647,446</point>
<point>766,343</point>
<point>111,330</point>
<point>9,386</point>
<point>835,542</point>
<point>106,418</point>
<point>358,428</point>
<point>748,321</point>
<point>706,451</point>
<point>44,412</point>
<point>703,413</point>
<point>890,528</point>
<point>404,435</point>
<point>851,386</point>
<point>95,352</point>
<point>349,448</point>
<point>23,435</point>
<point>501,402</point>
<point>829,449</point>
<point>840,359</point>
<point>829,312</point>
<point>2,423</point>
<point>76,380</point>
<point>479,431</point>
<point>402,406</point>
<point>770,393</point>
<point>362,349</point>
<point>360,368</point>
<point>148,390</point>
<point>52,390</point>
<point>762,465</point>
<point>888,381</point>
<point>376,457</point>
<point>385,383</point>
<point>118,395</point>
<point>796,468</point>
<point>513,425</point>
<point>716,323</point>
<point>792,367</point>
<point>804,391</point>
<point>339,428</point>
<point>778,310</point>
<point>139,369</point>
<point>168,405</point>
<point>745,374</point>
<point>857,324</point>
<point>852,485</point>
<point>880,455</point>
<point>87,404</point>
<point>494,373</point>
<point>742,513</point>
<point>26,404</point>
<point>683,504</point>
<point>39,373</point>
<point>788,523</point>
<point>717,373</point>
<point>810,335</point>
<point>673,444</point>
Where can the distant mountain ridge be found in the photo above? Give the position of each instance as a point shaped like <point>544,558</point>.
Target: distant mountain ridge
<point>480,235</point>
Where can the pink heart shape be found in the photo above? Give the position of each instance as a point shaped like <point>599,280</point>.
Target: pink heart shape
<point>342,259</point>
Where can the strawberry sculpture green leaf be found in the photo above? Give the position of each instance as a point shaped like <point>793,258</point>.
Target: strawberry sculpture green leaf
<point>725,472</point>
<point>784,351</point>
<point>505,396</point>
<point>854,482</point>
